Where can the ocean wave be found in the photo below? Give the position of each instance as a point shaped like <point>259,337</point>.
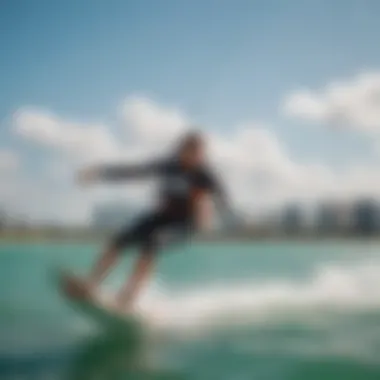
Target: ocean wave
<point>344,288</point>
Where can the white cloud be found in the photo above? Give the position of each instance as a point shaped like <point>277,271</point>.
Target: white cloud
<point>75,140</point>
<point>259,169</point>
<point>353,103</point>
<point>9,160</point>
<point>150,124</point>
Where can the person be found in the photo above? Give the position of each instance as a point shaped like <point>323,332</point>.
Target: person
<point>183,209</point>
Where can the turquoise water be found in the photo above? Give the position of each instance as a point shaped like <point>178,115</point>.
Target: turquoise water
<point>213,311</point>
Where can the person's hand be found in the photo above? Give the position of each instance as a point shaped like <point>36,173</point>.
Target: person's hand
<point>87,176</point>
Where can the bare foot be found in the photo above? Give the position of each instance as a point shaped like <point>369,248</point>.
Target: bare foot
<point>122,308</point>
<point>77,288</point>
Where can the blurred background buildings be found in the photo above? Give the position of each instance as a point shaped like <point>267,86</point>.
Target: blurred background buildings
<point>360,217</point>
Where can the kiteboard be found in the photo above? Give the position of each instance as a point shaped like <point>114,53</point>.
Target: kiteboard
<point>94,307</point>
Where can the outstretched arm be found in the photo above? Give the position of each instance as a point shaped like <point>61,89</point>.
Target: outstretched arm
<point>118,172</point>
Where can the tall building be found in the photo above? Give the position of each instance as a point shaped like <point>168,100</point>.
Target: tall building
<point>365,217</point>
<point>332,217</point>
<point>293,218</point>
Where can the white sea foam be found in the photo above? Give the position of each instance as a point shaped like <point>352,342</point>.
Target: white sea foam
<point>338,287</point>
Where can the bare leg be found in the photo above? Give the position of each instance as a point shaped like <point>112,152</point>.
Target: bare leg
<point>141,272</point>
<point>80,288</point>
<point>102,267</point>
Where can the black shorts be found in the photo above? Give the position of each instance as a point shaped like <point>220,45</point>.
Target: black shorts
<point>153,232</point>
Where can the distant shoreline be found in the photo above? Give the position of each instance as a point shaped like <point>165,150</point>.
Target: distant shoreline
<point>43,236</point>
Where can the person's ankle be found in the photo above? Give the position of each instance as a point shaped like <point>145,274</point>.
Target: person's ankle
<point>122,303</point>
<point>92,283</point>
<point>124,308</point>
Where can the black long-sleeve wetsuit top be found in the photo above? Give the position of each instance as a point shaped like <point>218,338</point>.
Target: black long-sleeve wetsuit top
<point>177,187</point>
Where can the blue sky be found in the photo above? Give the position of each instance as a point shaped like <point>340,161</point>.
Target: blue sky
<point>221,62</point>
